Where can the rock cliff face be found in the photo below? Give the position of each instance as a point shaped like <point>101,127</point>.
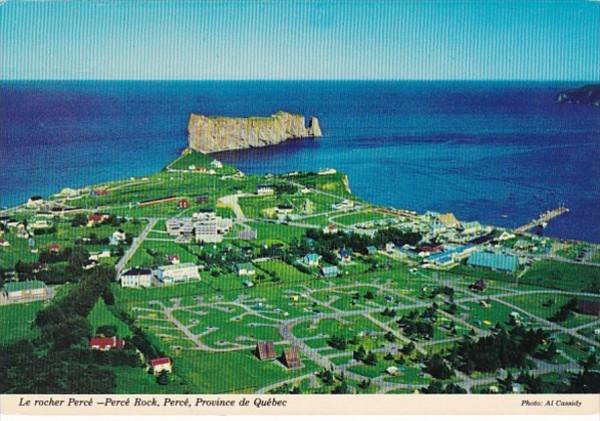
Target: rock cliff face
<point>589,94</point>
<point>213,134</point>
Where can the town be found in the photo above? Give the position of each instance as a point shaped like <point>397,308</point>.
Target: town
<point>202,279</point>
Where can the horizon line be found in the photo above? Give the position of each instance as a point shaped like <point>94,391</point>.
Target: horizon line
<point>303,80</point>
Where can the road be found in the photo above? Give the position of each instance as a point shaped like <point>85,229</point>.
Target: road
<point>231,202</point>
<point>135,244</point>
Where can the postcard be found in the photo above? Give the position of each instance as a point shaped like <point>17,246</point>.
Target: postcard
<point>299,207</point>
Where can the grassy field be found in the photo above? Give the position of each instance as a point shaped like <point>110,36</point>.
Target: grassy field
<point>102,316</point>
<point>359,217</point>
<point>565,276</point>
<point>16,321</point>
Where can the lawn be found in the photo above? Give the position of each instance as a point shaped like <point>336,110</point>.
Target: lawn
<point>16,321</point>
<point>233,372</point>
<point>358,217</point>
<point>101,316</point>
<point>284,271</point>
<point>564,276</point>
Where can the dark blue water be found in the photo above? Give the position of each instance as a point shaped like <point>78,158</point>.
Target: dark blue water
<point>480,150</point>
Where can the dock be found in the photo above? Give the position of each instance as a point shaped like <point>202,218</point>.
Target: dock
<point>543,219</point>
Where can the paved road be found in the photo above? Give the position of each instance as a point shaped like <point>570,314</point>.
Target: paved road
<point>231,201</point>
<point>135,244</point>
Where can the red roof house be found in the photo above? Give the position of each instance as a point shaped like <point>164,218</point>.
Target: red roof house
<point>183,204</point>
<point>161,364</point>
<point>106,344</point>
<point>54,248</point>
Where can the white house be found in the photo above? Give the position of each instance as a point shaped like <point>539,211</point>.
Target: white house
<point>183,272</point>
<point>118,237</point>
<point>264,190</point>
<point>137,277</point>
<point>246,269</point>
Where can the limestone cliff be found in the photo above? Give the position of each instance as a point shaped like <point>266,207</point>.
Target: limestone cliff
<point>213,134</point>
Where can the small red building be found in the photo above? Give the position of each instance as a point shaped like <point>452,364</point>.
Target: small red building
<point>106,344</point>
<point>183,204</point>
<point>161,364</point>
<point>54,248</point>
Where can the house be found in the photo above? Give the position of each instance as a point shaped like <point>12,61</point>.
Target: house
<point>118,237</point>
<point>245,269</point>
<point>344,205</point>
<point>588,307</point>
<point>207,232</point>
<point>4,243</point>
<point>265,190</point>
<point>311,259</point>
<point>291,358</point>
<point>174,259</point>
<point>89,264</point>
<point>161,364</point>
<point>35,201</point>
<point>371,250</point>
<point>247,234</point>
<point>265,351</point>
<point>99,192</point>
<point>96,219</point>
<point>330,271</point>
<point>183,203</point>
<point>201,198</point>
<point>137,277</point>
<point>330,229</point>
<point>247,283</point>
<point>40,224</point>
<point>106,344</point>
<point>494,261</point>
<point>172,274</point>
<point>449,221</point>
<point>104,254</point>
<point>54,248</point>
<point>392,370</point>
<point>345,256</point>
<point>390,247</point>
<point>179,226</point>
<point>478,286</point>
<point>284,209</point>
<point>14,292</point>
<point>216,164</point>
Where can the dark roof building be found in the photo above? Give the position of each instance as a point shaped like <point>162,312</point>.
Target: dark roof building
<point>265,351</point>
<point>588,307</point>
<point>291,358</point>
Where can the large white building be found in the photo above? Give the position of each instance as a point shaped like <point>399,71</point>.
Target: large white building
<point>207,232</point>
<point>136,278</point>
<point>183,272</point>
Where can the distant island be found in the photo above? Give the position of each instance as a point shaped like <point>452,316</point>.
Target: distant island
<point>588,94</point>
<point>208,134</point>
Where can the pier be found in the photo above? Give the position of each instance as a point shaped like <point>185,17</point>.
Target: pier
<point>543,219</point>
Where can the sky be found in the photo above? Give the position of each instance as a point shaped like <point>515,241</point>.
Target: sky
<point>300,39</point>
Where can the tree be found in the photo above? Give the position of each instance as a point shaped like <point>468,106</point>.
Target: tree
<point>371,359</point>
<point>389,336</point>
<point>163,378</point>
<point>359,354</point>
<point>438,367</point>
<point>341,388</point>
<point>327,377</point>
<point>106,330</point>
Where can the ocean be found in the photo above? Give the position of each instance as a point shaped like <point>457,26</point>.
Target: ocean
<point>496,152</point>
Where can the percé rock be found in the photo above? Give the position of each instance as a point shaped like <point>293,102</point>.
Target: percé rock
<point>214,134</point>
<point>589,94</point>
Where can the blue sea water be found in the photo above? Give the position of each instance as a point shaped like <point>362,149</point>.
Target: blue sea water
<point>495,152</point>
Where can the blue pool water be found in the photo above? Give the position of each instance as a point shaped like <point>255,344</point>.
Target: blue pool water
<point>495,152</point>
